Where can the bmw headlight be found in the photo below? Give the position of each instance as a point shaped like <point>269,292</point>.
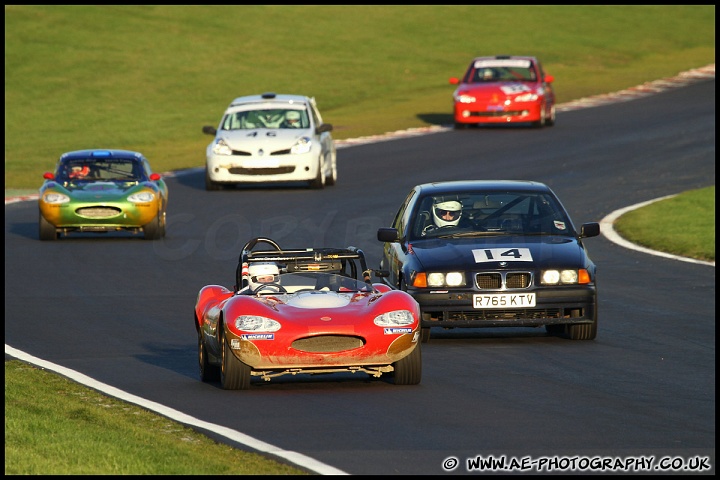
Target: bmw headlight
<point>394,318</point>
<point>55,198</point>
<point>221,147</point>
<point>141,197</point>
<point>303,145</point>
<point>565,277</point>
<point>526,97</point>
<point>465,98</point>
<point>256,323</point>
<point>442,279</point>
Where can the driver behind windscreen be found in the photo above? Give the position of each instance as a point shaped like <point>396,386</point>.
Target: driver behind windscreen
<point>260,274</point>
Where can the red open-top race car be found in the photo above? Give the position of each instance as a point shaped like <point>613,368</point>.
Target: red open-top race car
<point>312,310</point>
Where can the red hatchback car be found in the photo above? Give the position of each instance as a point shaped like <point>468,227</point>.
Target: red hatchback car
<point>504,89</point>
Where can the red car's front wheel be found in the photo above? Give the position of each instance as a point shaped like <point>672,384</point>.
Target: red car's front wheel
<point>234,374</point>
<point>408,370</point>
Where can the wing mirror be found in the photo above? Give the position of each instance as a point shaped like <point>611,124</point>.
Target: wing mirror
<point>387,234</point>
<point>591,229</point>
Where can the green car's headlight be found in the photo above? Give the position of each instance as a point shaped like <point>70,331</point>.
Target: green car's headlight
<point>55,198</point>
<point>141,197</point>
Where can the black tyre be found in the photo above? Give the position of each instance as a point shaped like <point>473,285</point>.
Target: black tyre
<point>551,121</point>
<point>209,184</point>
<point>153,230</point>
<point>425,331</point>
<point>47,230</point>
<point>541,122</point>
<point>208,372</point>
<point>583,331</point>
<point>234,374</point>
<point>408,370</point>
<point>163,222</point>
<point>319,181</point>
<point>332,179</point>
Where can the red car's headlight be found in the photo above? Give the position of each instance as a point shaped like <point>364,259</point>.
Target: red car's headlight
<point>394,318</point>
<point>465,98</point>
<point>256,323</point>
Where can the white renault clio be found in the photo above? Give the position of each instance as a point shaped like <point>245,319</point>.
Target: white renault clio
<point>271,138</point>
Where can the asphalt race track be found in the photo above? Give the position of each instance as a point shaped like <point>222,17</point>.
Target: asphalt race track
<point>119,309</point>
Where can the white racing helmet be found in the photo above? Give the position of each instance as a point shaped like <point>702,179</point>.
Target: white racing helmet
<point>447,214</point>
<point>293,118</point>
<point>262,273</point>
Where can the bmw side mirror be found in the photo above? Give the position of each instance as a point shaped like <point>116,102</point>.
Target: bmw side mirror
<point>209,130</point>
<point>591,229</point>
<point>387,234</point>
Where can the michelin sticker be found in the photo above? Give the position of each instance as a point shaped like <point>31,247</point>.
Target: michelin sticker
<point>395,331</point>
<point>258,336</point>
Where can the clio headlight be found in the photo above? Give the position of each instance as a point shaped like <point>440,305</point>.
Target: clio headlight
<point>394,318</point>
<point>221,147</point>
<point>303,145</point>
<point>465,98</point>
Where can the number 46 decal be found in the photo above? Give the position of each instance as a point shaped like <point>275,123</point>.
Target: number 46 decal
<point>502,255</point>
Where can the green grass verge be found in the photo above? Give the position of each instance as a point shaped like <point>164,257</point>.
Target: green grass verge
<point>683,225</point>
<point>148,78</point>
<point>55,426</point>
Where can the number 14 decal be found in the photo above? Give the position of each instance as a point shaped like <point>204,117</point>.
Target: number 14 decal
<point>502,255</point>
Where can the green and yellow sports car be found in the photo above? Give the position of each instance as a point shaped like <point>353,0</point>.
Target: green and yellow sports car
<point>102,191</point>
